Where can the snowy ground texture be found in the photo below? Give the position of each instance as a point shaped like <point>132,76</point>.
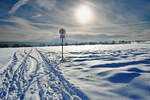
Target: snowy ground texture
<point>99,72</point>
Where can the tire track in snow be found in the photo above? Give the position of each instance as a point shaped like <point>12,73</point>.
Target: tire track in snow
<point>11,65</point>
<point>36,72</point>
<point>18,77</point>
<point>33,76</point>
<point>7,75</point>
<point>67,90</point>
<point>14,85</point>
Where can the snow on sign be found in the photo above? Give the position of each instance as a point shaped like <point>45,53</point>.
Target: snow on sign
<point>62,33</point>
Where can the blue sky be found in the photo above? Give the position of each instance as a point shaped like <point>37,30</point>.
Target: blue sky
<point>40,20</point>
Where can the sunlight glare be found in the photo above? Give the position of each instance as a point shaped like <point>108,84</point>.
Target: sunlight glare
<point>84,14</point>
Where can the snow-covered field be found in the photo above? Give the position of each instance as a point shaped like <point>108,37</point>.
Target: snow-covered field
<point>98,72</point>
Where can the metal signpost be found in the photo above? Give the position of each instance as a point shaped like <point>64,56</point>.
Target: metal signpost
<point>62,33</point>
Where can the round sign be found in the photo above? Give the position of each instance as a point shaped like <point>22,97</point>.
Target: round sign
<point>62,31</point>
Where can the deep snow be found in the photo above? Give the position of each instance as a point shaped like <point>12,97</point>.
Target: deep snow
<point>98,72</point>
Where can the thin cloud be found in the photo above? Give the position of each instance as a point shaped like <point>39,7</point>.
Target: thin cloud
<point>38,15</point>
<point>23,30</point>
<point>109,21</point>
<point>46,4</point>
<point>17,6</point>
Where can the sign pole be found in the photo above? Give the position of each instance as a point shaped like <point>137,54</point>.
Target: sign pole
<point>62,33</point>
<point>62,50</point>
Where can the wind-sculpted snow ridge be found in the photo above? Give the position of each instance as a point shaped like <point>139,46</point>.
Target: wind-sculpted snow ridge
<point>31,75</point>
<point>113,72</point>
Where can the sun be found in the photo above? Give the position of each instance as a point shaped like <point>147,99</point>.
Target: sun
<point>84,14</point>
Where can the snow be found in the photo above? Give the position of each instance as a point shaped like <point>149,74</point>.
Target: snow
<point>3,57</point>
<point>90,72</point>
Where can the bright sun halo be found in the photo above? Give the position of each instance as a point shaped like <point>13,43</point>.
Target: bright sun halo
<point>84,14</point>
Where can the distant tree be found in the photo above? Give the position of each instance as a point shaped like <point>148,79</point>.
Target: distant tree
<point>16,45</point>
<point>113,42</point>
<point>3,45</point>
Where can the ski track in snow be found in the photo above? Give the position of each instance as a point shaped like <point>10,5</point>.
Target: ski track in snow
<point>33,76</point>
